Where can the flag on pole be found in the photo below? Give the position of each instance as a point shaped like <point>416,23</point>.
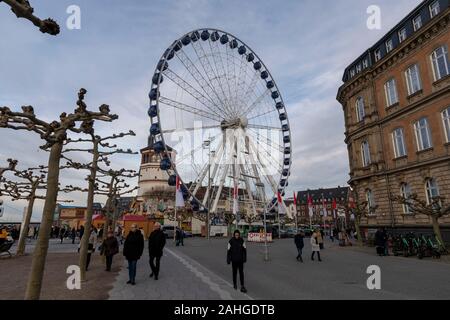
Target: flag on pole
<point>324,207</point>
<point>295,203</point>
<point>310,206</point>
<point>280,203</point>
<point>235,200</point>
<point>179,200</point>
<point>334,206</point>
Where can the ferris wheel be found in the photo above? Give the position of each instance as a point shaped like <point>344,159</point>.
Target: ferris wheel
<point>219,123</point>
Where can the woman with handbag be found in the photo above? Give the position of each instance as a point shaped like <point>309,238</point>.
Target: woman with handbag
<point>110,247</point>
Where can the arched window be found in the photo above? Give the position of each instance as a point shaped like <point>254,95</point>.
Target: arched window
<point>359,107</point>
<point>405,192</point>
<point>439,61</point>
<point>446,121</point>
<point>431,189</point>
<point>370,200</point>
<point>365,153</point>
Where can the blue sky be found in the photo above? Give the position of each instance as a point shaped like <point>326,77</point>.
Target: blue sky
<point>305,44</point>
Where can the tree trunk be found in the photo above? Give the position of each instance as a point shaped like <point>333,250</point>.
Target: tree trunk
<point>89,213</point>
<point>359,240</point>
<point>24,233</point>
<point>40,252</point>
<point>437,229</point>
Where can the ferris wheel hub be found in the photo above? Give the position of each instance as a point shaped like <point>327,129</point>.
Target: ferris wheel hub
<point>234,123</point>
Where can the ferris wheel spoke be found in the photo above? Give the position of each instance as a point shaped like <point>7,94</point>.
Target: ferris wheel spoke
<point>198,77</point>
<point>255,103</point>
<point>216,159</point>
<point>220,67</point>
<point>192,129</point>
<point>262,114</point>
<point>231,77</point>
<point>241,79</point>
<point>205,101</point>
<point>212,76</point>
<point>184,156</point>
<point>258,126</point>
<point>188,108</point>
<point>272,142</point>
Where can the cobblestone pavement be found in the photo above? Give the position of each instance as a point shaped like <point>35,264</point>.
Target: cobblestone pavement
<point>181,278</point>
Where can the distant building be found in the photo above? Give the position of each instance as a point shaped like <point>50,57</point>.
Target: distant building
<point>340,195</point>
<point>396,103</point>
<point>74,216</point>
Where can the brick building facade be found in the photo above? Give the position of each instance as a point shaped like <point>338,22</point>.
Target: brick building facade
<point>396,103</point>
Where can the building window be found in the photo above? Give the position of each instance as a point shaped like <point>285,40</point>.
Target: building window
<point>370,200</point>
<point>399,143</point>
<point>446,121</point>
<point>352,72</point>
<point>365,153</point>
<point>405,192</point>
<point>391,92</point>
<point>377,54</point>
<point>358,68</point>
<point>389,45</point>
<point>423,137</point>
<point>365,63</point>
<point>413,79</point>
<point>434,9</point>
<point>360,109</point>
<point>417,23</point>
<point>439,60</point>
<point>402,35</point>
<point>432,190</point>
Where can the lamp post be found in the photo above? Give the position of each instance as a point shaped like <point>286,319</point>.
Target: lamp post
<point>207,144</point>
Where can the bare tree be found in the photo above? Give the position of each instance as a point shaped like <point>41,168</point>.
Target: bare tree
<point>23,9</point>
<point>100,150</point>
<point>31,181</point>
<point>436,208</point>
<point>11,166</point>
<point>54,134</point>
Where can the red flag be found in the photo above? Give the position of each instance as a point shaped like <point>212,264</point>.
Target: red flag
<point>295,198</point>
<point>235,200</point>
<point>280,203</point>
<point>334,204</point>
<point>310,205</point>
<point>179,200</point>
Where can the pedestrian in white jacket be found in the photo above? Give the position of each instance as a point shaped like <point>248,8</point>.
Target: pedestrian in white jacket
<point>315,247</point>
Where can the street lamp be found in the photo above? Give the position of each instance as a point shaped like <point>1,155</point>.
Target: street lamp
<point>207,144</point>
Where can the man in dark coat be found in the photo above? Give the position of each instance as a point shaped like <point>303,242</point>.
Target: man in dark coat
<point>298,239</point>
<point>237,256</point>
<point>110,247</point>
<point>132,250</point>
<point>156,243</point>
<point>380,241</point>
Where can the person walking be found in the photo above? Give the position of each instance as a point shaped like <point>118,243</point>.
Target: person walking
<point>156,243</point>
<point>73,235</point>
<point>91,246</point>
<point>132,250</point>
<point>237,256</point>
<point>179,237</point>
<point>320,238</point>
<point>62,233</point>
<point>315,247</point>
<point>298,239</point>
<point>110,247</point>
<point>380,242</point>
